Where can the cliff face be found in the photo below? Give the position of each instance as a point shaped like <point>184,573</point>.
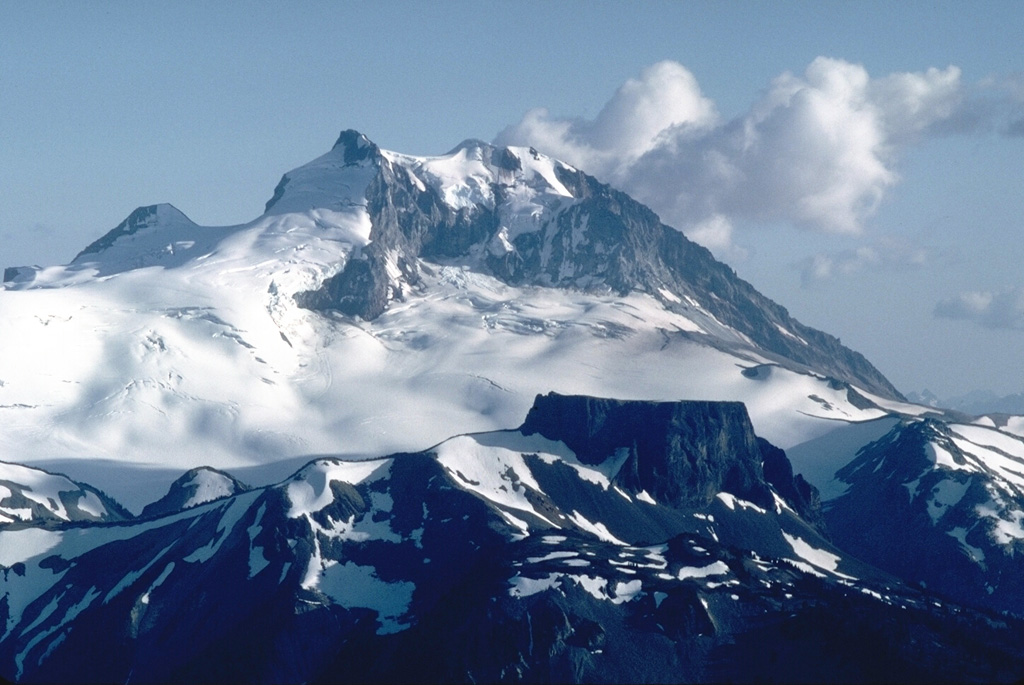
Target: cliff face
<point>681,453</point>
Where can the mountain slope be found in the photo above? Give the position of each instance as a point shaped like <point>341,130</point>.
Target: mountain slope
<point>938,503</point>
<point>498,556</point>
<point>38,497</point>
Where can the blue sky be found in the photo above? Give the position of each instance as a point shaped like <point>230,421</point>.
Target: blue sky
<point>886,211</point>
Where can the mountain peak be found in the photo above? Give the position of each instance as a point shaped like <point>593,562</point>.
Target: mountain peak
<point>529,220</point>
<point>141,218</point>
<point>499,159</point>
<point>355,146</point>
<point>332,181</point>
<point>470,144</point>
<point>30,495</point>
<point>195,487</point>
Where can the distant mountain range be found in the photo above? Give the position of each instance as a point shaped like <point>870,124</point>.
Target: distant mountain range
<point>475,417</point>
<point>978,402</point>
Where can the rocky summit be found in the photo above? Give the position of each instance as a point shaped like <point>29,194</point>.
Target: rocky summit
<point>574,233</point>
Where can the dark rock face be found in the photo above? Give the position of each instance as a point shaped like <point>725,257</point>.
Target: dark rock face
<point>600,240</point>
<point>361,289</point>
<point>820,633</point>
<point>905,516</point>
<point>223,594</point>
<point>19,273</point>
<point>681,453</point>
<point>408,222</point>
<point>140,218</point>
<point>798,493</point>
<point>358,147</point>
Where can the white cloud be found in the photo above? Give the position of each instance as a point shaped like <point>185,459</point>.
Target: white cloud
<point>886,254</point>
<point>912,103</point>
<point>715,233</point>
<point>665,97</point>
<point>1002,309</point>
<point>816,150</point>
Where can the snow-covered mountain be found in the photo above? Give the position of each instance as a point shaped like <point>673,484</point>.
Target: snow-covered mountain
<point>938,503</point>
<point>373,281</point>
<point>976,403</point>
<point>588,545</point>
<point>197,486</point>
<point>384,303</point>
<point>38,497</point>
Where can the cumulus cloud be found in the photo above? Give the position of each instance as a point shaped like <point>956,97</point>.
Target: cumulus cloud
<point>715,233</point>
<point>817,150</point>
<point>886,254</point>
<point>910,104</point>
<point>1002,309</point>
<point>665,97</point>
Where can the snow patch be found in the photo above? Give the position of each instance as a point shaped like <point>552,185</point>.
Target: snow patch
<point>942,458</point>
<point>627,591</point>
<point>816,557</point>
<point>485,465</point>
<point>19,546</point>
<point>732,502</point>
<point>945,494</point>
<point>717,568</point>
<point>157,583</point>
<point>229,517</point>
<point>350,585</point>
<point>525,587</point>
<point>210,485</point>
<point>597,529</point>
<point>976,554</point>
<point>309,490</point>
<point>257,559</point>
<point>552,555</point>
<point>1007,524</point>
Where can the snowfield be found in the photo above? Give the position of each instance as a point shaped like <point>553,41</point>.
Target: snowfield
<point>213,364</point>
